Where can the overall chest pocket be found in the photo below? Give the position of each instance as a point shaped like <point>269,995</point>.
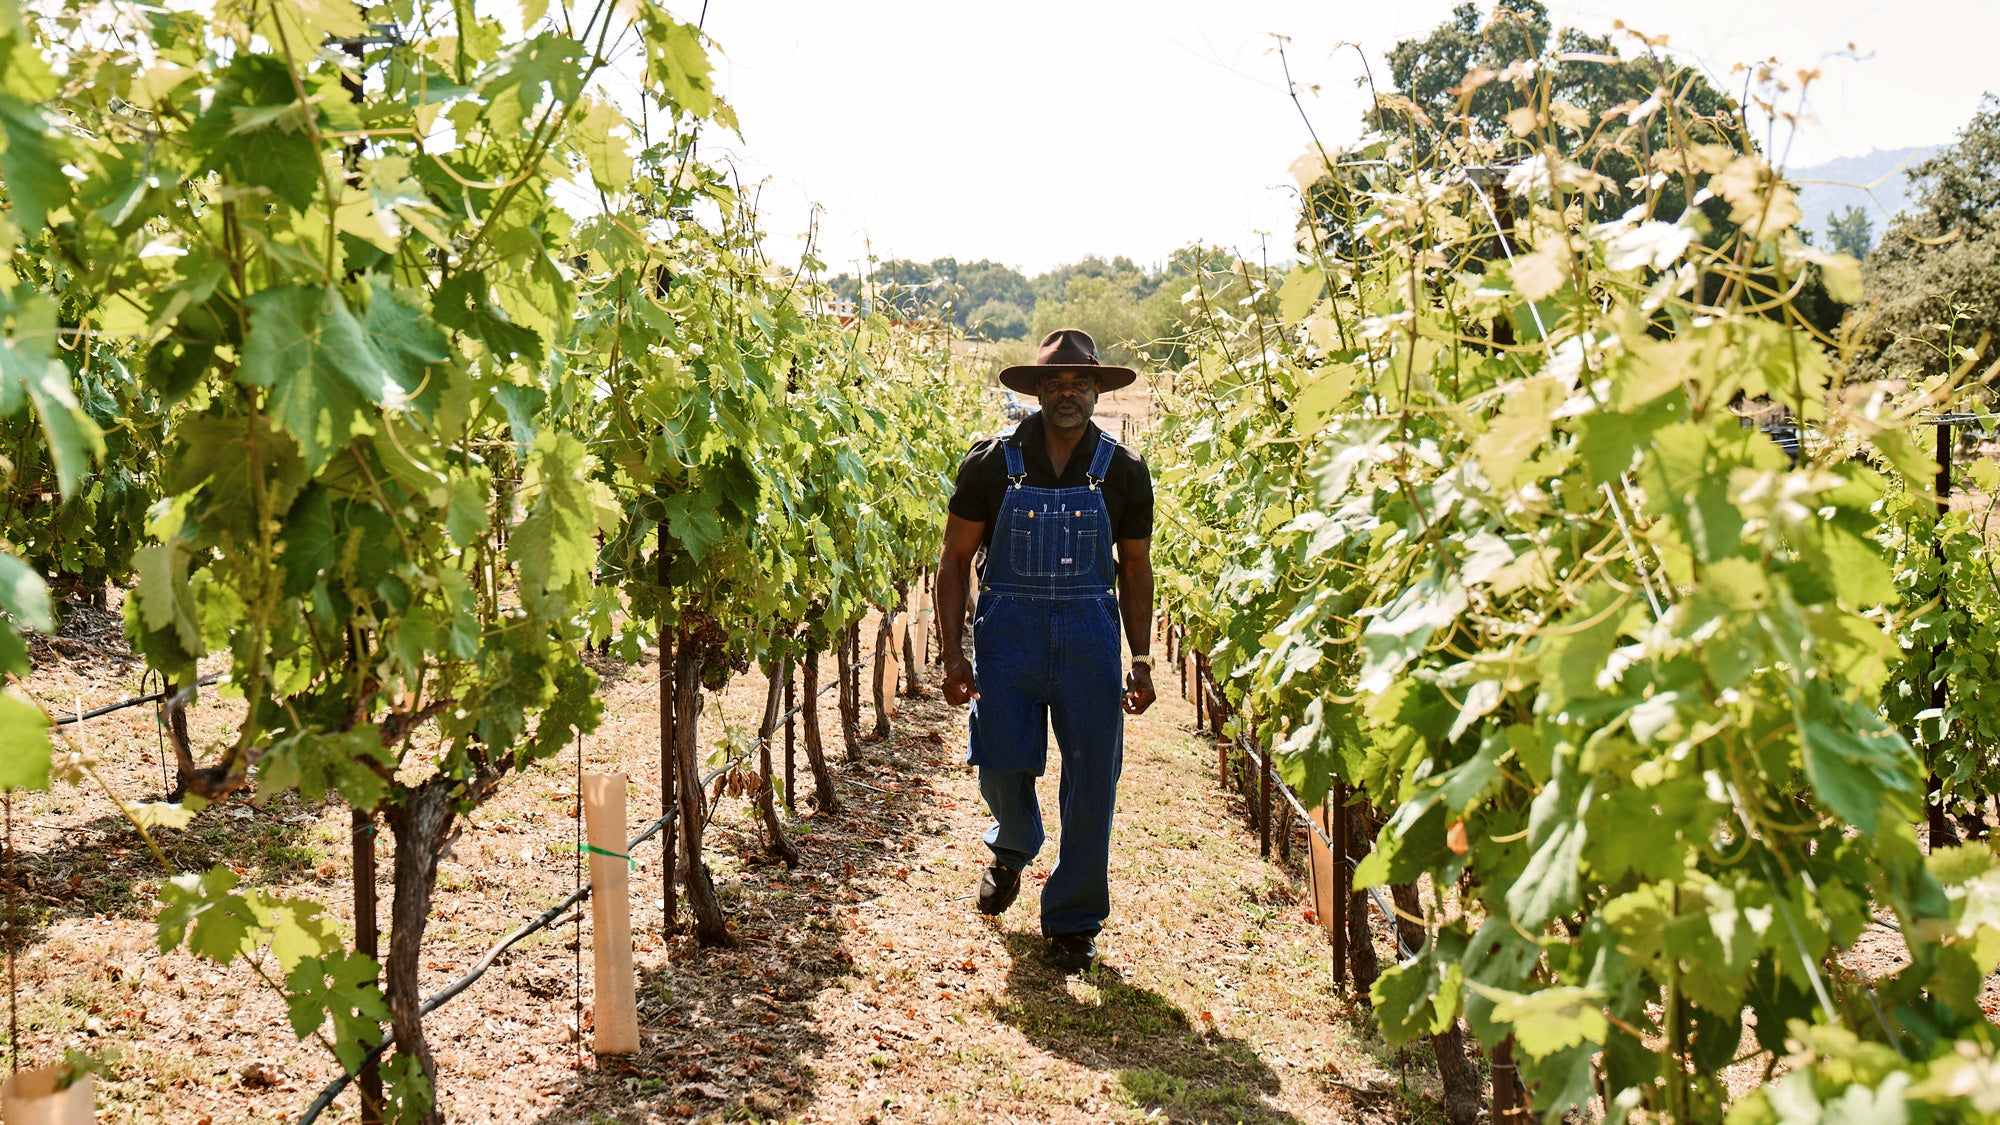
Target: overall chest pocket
<point>1054,543</point>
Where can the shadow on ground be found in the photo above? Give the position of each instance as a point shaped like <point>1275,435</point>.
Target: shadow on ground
<point>95,866</point>
<point>1160,1059</point>
<point>727,1033</point>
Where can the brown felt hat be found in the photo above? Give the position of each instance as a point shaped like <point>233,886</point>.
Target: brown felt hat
<point>1071,349</point>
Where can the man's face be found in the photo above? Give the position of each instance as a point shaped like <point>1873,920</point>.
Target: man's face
<point>1068,397</point>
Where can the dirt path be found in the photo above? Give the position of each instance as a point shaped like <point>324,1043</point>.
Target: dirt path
<point>866,988</point>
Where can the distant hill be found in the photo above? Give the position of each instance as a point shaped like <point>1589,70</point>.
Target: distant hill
<point>1876,182</point>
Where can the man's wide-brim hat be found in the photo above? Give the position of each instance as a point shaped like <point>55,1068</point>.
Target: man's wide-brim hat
<point>1069,349</point>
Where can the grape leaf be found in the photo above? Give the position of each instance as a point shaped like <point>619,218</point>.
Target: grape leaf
<point>274,156</point>
<point>24,596</point>
<point>677,61</point>
<point>228,457</point>
<point>340,985</point>
<point>353,763</point>
<point>555,545</point>
<point>162,595</point>
<point>204,911</point>
<point>1851,759</point>
<point>164,814</point>
<point>29,369</point>
<point>296,928</point>
<point>406,345</point>
<point>1400,632</point>
<point>1551,1019</point>
<point>1557,830</point>
<point>24,744</point>
<point>1519,430</point>
<point>1302,290</point>
<point>31,164</point>
<point>465,301</point>
<point>1576,653</point>
<point>524,70</point>
<point>308,348</point>
<point>311,540</point>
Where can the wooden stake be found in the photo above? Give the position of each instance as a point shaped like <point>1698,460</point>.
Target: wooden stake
<point>669,903</point>
<point>791,730</point>
<point>1263,798</point>
<point>1938,833</point>
<point>617,1029</point>
<point>1335,820</point>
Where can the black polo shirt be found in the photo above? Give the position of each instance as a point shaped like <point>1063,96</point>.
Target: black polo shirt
<point>982,479</point>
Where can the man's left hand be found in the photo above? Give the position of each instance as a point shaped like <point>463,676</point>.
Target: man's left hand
<point>1139,690</point>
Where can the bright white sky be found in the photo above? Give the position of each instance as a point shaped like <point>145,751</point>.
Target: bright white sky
<point>1035,132</point>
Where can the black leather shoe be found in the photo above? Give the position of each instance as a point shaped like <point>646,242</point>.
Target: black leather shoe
<point>1072,953</point>
<point>997,888</point>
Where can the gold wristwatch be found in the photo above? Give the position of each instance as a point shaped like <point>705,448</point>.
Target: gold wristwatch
<point>1145,658</point>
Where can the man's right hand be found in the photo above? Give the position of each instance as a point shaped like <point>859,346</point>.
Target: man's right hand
<point>959,688</point>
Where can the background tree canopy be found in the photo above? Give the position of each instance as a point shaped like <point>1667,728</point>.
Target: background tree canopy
<point>1132,311</point>
<point>1470,80</point>
<point>1933,287</point>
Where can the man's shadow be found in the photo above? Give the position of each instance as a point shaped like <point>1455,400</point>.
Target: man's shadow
<point>1161,1061</point>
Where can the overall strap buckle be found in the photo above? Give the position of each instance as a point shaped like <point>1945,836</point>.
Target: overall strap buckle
<point>1017,466</point>
<point>1100,462</point>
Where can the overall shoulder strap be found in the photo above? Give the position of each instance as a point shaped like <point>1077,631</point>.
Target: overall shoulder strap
<point>1017,467</point>
<point>1100,465</point>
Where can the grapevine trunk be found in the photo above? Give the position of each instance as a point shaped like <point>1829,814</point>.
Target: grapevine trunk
<point>885,635</point>
<point>825,798</point>
<point>775,841</point>
<point>711,926</point>
<point>421,821</point>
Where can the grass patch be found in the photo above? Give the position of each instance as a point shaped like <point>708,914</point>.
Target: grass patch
<point>1176,1096</point>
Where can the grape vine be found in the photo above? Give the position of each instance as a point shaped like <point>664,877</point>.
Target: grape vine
<point>1467,509</point>
<point>397,356</point>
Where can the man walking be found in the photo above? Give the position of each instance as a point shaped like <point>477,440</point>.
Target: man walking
<point>1065,517</point>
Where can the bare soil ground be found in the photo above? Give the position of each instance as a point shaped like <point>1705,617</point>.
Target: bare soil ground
<point>866,987</point>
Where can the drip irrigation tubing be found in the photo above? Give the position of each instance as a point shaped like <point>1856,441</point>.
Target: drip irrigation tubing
<point>547,918</point>
<point>108,708</point>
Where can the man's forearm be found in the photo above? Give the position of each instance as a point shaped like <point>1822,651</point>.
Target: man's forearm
<point>1135,606</point>
<point>953,580</point>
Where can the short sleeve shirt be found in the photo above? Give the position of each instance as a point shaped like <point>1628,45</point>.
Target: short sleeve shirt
<point>982,479</point>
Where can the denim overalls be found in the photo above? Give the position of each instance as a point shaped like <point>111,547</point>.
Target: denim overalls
<point>1045,652</point>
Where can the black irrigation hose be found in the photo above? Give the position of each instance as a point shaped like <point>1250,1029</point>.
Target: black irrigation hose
<point>134,702</point>
<point>521,932</point>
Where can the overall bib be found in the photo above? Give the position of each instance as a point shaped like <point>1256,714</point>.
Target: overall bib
<point>1045,653</point>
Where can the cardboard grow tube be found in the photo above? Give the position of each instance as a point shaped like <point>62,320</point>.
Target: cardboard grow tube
<point>617,1009</point>
<point>1321,862</point>
<point>30,1097</point>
